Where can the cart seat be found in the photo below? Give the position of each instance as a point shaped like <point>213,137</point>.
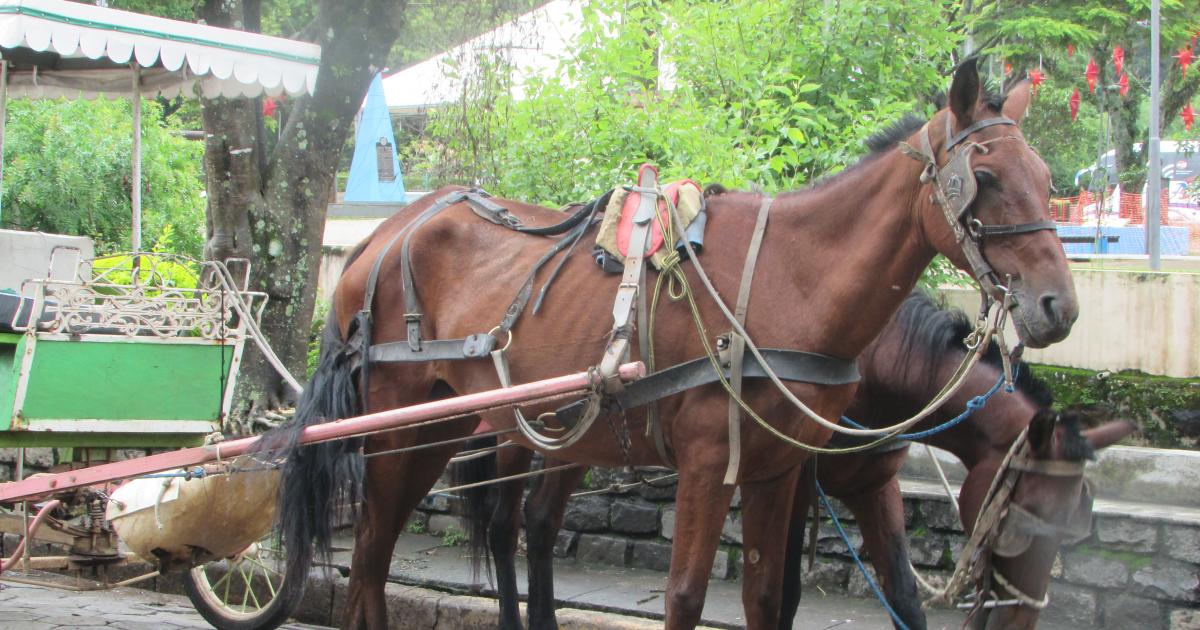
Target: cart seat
<point>15,311</point>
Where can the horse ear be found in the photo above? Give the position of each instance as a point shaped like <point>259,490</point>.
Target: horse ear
<point>1016,103</point>
<point>965,92</point>
<point>1041,433</point>
<point>1109,433</point>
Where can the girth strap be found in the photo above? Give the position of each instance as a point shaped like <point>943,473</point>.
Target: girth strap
<point>789,365</point>
<point>737,343</point>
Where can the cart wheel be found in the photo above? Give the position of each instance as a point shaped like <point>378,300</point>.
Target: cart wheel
<point>246,592</point>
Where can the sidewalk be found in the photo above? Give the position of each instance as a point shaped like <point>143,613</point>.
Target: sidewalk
<point>25,607</point>
<point>423,561</point>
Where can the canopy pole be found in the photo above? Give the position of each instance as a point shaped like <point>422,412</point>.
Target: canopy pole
<point>136,193</point>
<point>3,118</point>
<point>1154,168</point>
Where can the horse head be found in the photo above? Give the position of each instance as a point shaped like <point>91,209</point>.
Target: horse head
<point>989,213</point>
<point>1050,504</point>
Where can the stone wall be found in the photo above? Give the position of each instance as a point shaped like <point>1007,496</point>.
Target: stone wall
<point>1139,568</point>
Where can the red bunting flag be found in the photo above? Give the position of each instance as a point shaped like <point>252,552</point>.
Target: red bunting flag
<point>1074,104</point>
<point>269,106</point>
<point>1124,85</point>
<point>1119,59</point>
<point>1091,74</point>
<point>1185,58</point>
<point>1188,116</point>
<point>1036,78</point>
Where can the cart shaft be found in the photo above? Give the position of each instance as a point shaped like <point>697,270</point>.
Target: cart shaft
<point>579,383</point>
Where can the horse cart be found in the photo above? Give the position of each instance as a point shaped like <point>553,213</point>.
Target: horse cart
<point>142,352</point>
<point>137,352</point>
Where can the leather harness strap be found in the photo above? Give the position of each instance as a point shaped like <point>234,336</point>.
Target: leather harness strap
<point>955,189</point>
<point>737,345</point>
<point>473,346</point>
<point>790,365</point>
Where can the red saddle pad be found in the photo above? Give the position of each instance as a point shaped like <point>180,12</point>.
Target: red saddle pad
<point>633,200</point>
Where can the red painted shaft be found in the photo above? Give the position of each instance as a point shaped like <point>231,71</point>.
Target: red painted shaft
<point>349,427</point>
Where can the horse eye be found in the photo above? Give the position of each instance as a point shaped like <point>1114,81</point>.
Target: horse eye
<point>986,178</point>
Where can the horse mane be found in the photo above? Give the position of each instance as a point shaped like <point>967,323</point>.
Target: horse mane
<point>883,140</point>
<point>932,332</point>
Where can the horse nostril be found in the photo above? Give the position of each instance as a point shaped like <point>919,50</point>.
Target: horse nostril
<point>1049,302</point>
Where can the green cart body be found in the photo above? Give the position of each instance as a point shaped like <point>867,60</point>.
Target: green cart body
<point>114,364</point>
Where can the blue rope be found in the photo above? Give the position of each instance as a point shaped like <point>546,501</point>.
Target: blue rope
<point>973,405</point>
<point>195,473</point>
<point>854,554</point>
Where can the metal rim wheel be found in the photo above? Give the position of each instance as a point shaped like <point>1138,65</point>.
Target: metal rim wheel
<point>246,592</point>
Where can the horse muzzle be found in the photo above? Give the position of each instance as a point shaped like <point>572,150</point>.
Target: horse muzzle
<point>1046,318</point>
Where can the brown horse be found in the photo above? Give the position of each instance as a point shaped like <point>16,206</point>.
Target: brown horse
<point>902,369</point>
<point>926,341</point>
<point>836,260</point>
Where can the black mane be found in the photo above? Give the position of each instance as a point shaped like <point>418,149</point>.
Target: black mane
<point>886,138</point>
<point>898,131</point>
<point>930,332</point>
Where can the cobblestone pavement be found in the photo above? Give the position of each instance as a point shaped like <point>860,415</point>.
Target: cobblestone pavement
<point>25,607</point>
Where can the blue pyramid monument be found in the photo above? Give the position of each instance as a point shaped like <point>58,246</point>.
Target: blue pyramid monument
<point>375,170</point>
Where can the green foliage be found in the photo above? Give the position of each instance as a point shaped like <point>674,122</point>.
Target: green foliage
<point>153,271</point>
<point>1146,400</point>
<point>1031,34</point>
<point>454,537</point>
<point>753,99</point>
<point>68,169</point>
<point>1066,146</point>
<point>320,314</point>
<point>417,526</point>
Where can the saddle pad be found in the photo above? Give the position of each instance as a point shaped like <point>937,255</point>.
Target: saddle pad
<point>617,225</point>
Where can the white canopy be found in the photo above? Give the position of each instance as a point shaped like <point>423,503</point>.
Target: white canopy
<point>56,48</point>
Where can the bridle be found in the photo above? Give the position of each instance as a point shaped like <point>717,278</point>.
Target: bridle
<point>1006,529</point>
<point>955,188</point>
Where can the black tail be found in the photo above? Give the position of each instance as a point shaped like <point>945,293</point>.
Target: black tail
<point>321,480</point>
<point>477,503</point>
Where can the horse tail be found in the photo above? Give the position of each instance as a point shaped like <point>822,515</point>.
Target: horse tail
<point>319,481</point>
<point>477,503</point>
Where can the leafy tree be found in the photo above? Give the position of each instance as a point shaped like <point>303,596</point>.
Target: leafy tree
<point>269,203</point>
<point>745,96</point>
<point>68,170</point>
<point>1036,33</point>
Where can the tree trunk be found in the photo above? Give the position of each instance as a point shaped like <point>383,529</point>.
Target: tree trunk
<point>271,209</point>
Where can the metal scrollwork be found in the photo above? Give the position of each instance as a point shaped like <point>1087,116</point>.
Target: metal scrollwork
<point>151,295</point>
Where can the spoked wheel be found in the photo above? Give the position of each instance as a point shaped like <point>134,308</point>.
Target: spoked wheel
<point>246,592</point>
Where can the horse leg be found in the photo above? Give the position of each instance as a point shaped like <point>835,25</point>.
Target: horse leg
<point>503,530</point>
<point>880,515</point>
<point>701,503</point>
<point>544,510</point>
<point>766,518</point>
<point>793,561</point>
<point>393,487</point>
